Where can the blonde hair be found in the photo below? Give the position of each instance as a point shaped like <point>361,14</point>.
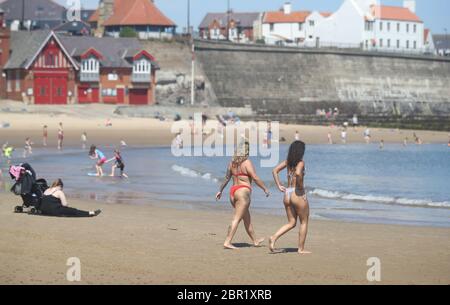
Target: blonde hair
<point>57,183</point>
<point>241,154</point>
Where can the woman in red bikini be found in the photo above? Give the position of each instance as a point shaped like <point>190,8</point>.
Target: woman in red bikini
<point>242,171</point>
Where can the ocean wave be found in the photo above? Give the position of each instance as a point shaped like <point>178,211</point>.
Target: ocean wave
<point>187,172</point>
<point>378,199</point>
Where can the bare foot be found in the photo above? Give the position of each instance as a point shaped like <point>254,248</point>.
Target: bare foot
<point>229,247</point>
<point>271,244</point>
<point>259,242</point>
<point>303,252</point>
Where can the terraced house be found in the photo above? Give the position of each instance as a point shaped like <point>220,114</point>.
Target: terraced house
<point>48,68</point>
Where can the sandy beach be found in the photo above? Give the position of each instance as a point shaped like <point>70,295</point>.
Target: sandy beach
<point>162,244</point>
<point>158,244</point>
<point>151,132</point>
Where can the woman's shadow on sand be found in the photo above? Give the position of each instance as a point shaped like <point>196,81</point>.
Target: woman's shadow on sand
<point>277,251</point>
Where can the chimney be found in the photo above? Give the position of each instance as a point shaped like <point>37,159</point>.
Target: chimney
<point>106,10</point>
<point>287,8</point>
<point>410,4</point>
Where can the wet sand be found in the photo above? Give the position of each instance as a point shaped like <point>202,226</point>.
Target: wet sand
<point>159,244</point>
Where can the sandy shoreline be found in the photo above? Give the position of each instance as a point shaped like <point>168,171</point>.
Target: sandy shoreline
<point>164,245</point>
<point>152,132</point>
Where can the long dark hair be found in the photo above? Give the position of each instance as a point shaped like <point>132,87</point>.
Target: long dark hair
<point>295,155</point>
<point>56,183</point>
<point>92,150</point>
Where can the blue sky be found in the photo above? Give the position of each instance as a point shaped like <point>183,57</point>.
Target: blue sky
<point>435,13</point>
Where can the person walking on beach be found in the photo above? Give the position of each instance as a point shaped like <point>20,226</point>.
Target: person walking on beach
<point>60,136</point>
<point>243,173</point>
<point>84,140</point>
<point>367,135</point>
<point>54,203</point>
<point>97,154</point>
<point>295,200</point>
<point>44,135</point>
<point>344,136</point>
<point>330,139</point>
<point>297,136</point>
<point>27,150</point>
<point>381,144</point>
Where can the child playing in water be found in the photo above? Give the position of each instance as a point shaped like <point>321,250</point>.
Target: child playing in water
<point>7,152</point>
<point>44,135</point>
<point>27,149</point>
<point>97,154</point>
<point>118,164</point>
<point>83,140</point>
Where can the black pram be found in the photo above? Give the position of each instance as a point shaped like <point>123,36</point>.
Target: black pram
<point>28,187</point>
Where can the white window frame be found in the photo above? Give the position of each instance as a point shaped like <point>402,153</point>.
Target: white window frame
<point>90,65</point>
<point>142,66</point>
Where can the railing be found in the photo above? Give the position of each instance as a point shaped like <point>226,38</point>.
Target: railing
<point>89,77</point>
<point>141,78</point>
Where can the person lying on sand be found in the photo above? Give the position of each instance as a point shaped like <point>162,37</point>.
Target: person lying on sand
<point>54,203</point>
<point>295,200</point>
<point>243,173</point>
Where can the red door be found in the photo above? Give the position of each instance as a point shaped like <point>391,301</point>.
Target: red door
<point>50,89</point>
<point>88,95</point>
<point>138,96</point>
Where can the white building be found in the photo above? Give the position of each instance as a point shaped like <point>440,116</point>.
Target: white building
<point>289,27</point>
<point>391,28</point>
<point>356,24</point>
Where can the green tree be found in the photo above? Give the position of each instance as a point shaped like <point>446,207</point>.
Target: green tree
<point>128,32</point>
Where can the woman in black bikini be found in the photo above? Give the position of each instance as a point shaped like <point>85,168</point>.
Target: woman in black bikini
<point>242,171</point>
<point>54,203</point>
<point>295,200</point>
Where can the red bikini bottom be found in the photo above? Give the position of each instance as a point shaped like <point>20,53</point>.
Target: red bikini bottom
<point>238,187</point>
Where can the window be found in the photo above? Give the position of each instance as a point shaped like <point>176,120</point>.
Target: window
<point>389,26</point>
<point>398,27</point>
<point>311,23</point>
<point>90,65</point>
<point>109,92</point>
<point>381,43</point>
<point>50,60</point>
<point>8,82</point>
<point>415,28</point>
<point>388,43</point>
<point>272,27</point>
<point>113,76</point>
<point>398,44</point>
<point>381,26</point>
<point>17,81</point>
<point>300,26</point>
<point>407,28</point>
<point>369,26</point>
<point>415,44</point>
<point>367,44</point>
<point>142,66</point>
<point>407,44</point>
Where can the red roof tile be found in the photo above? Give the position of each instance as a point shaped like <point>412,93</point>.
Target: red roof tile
<point>94,16</point>
<point>394,13</point>
<point>137,12</point>
<point>281,17</point>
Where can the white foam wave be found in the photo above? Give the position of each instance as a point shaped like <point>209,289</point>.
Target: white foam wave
<point>378,199</point>
<point>187,172</point>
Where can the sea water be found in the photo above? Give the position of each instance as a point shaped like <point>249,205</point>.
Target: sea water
<point>359,183</point>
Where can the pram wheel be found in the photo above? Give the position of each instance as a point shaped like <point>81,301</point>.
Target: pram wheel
<point>18,209</point>
<point>34,211</point>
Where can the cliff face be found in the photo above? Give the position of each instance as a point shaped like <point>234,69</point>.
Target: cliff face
<point>292,84</point>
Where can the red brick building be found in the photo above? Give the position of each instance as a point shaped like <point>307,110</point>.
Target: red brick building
<point>48,68</point>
